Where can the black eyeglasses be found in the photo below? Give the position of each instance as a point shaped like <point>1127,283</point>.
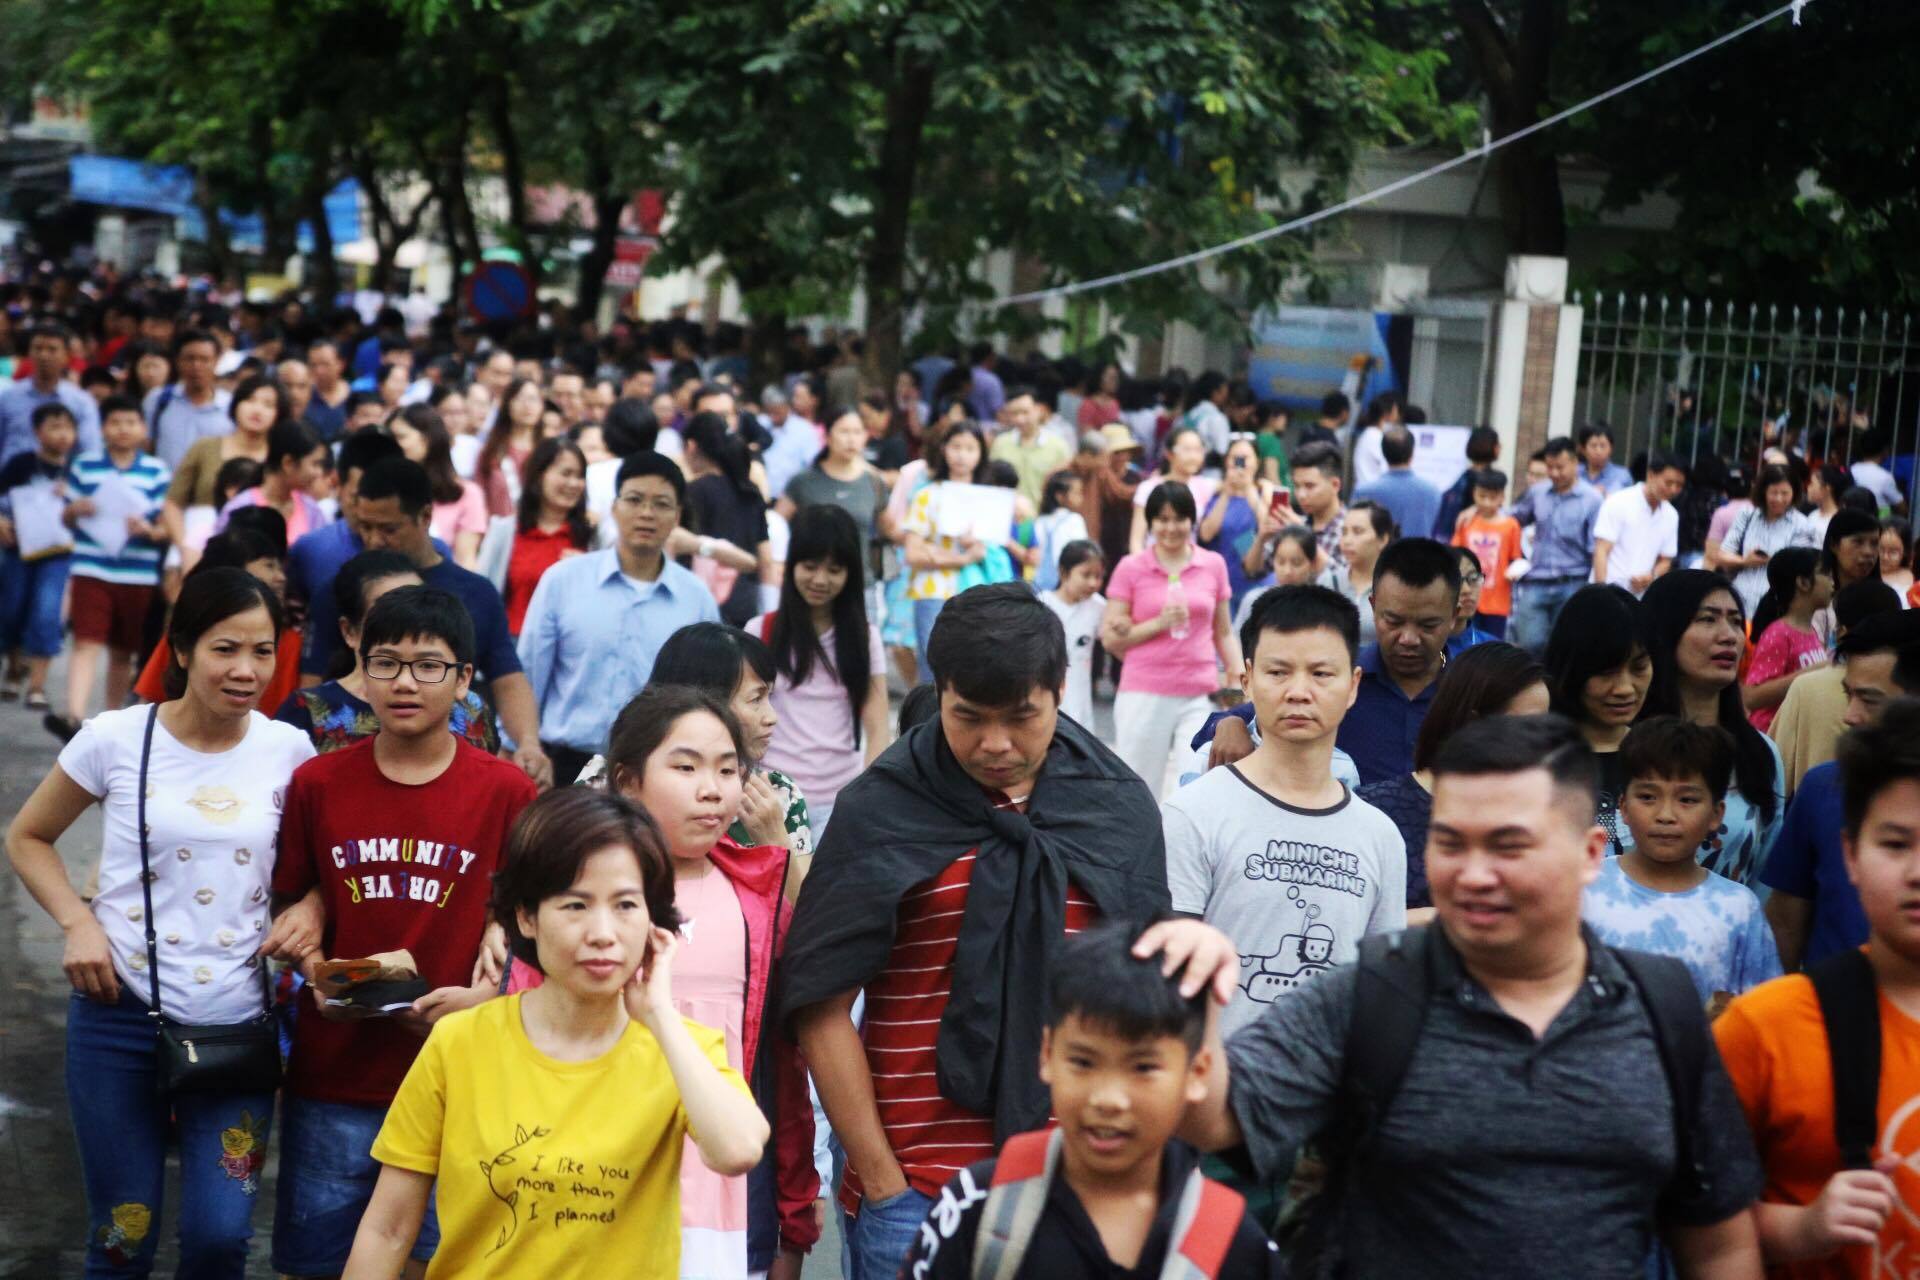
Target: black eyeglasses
<point>424,670</point>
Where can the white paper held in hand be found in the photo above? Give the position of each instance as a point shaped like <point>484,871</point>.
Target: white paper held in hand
<point>113,501</point>
<point>38,529</point>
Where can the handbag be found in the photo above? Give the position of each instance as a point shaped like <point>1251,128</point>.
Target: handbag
<point>239,1057</point>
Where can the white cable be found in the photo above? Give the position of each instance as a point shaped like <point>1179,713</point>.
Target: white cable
<point>1794,7</point>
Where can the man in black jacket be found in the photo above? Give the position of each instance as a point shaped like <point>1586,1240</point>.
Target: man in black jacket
<point>952,870</point>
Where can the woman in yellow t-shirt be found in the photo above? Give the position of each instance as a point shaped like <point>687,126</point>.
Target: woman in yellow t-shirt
<point>935,559</point>
<point>553,1120</point>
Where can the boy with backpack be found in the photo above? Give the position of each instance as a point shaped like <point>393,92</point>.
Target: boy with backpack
<point>1827,1064</point>
<point>1108,1191</point>
<point>1502,1094</point>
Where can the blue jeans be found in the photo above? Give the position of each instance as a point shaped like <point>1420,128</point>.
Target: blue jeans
<point>1536,606</point>
<point>121,1123</point>
<point>925,612</point>
<point>879,1236</point>
<point>30,594</point>
<point>327,1172</point>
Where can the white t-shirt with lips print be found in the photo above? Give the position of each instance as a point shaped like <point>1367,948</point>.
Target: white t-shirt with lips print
<point>214,820</point>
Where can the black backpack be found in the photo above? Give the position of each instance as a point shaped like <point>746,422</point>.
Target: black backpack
<point>1394,981</point>
<point>1850,1006</point>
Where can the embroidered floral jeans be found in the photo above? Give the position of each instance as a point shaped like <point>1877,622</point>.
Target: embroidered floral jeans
<point>123,1127</point>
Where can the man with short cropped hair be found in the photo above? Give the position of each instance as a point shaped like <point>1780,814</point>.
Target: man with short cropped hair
<point>47,348</point>
<point>1519,1061</point>
<point>1562,510</point>
<point>1411,499</point>
<point>192,408</point>
<point>1033,452</point>
<point>1636,534</point>
<point>952,869</point>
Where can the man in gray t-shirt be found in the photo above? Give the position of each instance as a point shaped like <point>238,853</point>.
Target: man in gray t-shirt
<point>1274,851</point>
<point>1295,888</point>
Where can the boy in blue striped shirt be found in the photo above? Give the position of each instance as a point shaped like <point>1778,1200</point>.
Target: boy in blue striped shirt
<point>112,588</point>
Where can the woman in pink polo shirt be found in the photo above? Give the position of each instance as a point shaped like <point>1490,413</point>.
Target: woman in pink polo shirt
<point>1167,616</point>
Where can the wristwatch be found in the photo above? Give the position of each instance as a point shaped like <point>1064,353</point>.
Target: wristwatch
<point>705,548</point>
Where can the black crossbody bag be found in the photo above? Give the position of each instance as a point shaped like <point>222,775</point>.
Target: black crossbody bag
<point>239,1057</point>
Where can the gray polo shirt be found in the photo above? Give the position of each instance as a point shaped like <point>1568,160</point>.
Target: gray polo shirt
<point>1501,1155</point>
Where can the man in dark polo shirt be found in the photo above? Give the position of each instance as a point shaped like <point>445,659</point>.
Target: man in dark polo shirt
<point>1533,1131</point>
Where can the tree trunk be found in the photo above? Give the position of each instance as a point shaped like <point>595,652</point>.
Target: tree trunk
<point>323,273</point>
<point>593,267</point>
<point>513,173</point>
<point>219,250</point>
<point>1515,67</point>
<point>909,100</point>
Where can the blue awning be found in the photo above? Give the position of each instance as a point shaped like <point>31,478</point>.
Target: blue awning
<point>168,189</point>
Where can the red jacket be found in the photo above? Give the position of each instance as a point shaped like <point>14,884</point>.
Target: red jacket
<point>772,1065</point>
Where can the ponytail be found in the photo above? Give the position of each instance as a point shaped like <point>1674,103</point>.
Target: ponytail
<point>1785,571</point>
<point>708,433</point>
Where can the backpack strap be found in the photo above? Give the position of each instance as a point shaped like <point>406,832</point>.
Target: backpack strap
<point>159,412</point>
<point>1203,1229</point>
<point>1015,1199</point>
<point>1392,983</point>
<point>1850,1006</point>
<point>1680,1034</point>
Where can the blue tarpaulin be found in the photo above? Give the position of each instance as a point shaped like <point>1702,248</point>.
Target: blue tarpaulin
<point>168,189</point>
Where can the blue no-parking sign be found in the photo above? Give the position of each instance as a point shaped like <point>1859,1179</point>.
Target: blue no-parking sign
<point>500,291</point>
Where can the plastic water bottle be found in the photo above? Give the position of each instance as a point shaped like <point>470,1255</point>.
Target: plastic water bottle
<point>1177,594</point>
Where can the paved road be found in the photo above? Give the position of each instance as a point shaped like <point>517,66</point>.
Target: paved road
<point>43,1217</point>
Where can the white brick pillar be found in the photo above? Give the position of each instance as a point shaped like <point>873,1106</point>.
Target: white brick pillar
<point>1536,354</point>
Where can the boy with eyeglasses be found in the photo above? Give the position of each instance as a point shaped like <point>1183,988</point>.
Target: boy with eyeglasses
<point>401,834</point>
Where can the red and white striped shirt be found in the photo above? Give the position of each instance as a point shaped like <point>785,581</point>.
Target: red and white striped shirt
<point>932,1138</point>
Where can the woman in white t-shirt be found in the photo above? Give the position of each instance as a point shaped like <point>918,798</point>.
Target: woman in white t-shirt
<point>1185,453</point>
<point>830,689</point>
<point>215,778</point>
<point>1078,604</point>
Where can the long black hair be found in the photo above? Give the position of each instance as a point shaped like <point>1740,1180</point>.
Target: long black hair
<point>711,656</point>
<point>1784,573</point>
<point>1671,602</point>
<point>825,532</point>
<point>534,482</point>
<point>708,433</point>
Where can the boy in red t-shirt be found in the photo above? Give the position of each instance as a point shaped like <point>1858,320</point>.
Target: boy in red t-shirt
<point>1494,537</point>
<point>401,834</point>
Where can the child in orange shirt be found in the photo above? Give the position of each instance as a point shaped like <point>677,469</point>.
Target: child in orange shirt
<point>1494,537</point>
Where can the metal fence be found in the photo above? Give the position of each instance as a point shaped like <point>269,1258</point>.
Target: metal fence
<point>1723,377</point>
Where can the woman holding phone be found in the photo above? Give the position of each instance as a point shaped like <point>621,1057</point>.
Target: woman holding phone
<point>1230,524</point>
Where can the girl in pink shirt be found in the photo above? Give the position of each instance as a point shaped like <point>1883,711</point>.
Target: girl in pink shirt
<point>1799,585</point>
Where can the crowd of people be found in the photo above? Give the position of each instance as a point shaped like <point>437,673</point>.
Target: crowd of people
<point>507,817</point>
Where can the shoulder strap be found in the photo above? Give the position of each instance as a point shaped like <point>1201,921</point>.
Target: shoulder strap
<point>1018,1194</point>
<point>766,627</point>
<point>1737,532</point>
<point>146,863</point>
<point>1680,1034</point>
<point>1392,983</point>
<point>1850,1006</point>
<point>1203,1229</point>
<point>159,411</point>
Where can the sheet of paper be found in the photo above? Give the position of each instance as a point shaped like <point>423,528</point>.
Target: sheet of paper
<point>979,511</point>
<point>37,528</point>
<point>114,500</point>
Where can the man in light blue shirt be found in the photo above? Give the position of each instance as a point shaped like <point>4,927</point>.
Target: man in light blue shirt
<point>1562,511</point>
<point>1601,471</point>
<point>192,408</point>
<point>48,351</point>
<point>597,621</point>
<point>986,393</point>
<point>1412,500</point>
